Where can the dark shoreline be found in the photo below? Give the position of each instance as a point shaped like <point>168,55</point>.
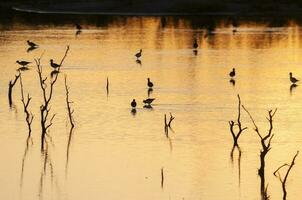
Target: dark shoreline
<point>156,8</point>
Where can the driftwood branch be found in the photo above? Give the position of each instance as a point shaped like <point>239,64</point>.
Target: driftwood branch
<point>266,147</point>
<point>11,84</point>
<point>284,179</point>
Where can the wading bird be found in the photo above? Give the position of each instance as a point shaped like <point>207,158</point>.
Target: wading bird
<point>150,84</point>
<point>22,63</point>
<point>54,65</point>
<point>32,44</point>
<point>139,54</point>
<point>133,103</point>
<point>78,27</point>
<point>232,73</point>
<point>148,101</point>
<point>195,44</point>
<point>292,79</point>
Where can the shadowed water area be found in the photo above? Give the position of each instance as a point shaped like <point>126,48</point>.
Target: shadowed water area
<point>115,154</point>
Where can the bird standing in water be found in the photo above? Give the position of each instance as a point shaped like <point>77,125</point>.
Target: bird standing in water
<point>22,63</point>
<point>78,27</point>
<point>195,44</point>
<point>150,84</point>
<point>148,101</point>
<point>139,54</point>
<point>32,44</point>
<point>54,65</point>
<point>232,73</point>
<point>292,79</point>
<point>133,103</point>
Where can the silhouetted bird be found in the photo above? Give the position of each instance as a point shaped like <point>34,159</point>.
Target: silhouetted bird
<point>232,73</point>
<point>78,27</point>
<point>292,79</point>
<point>133,103</point>
<point>31,44</point>
<point>54,65</point>
<point>22,63</point>
<point>139,54</point>
<point>150,84</point>
<point>148,101</point>
<point>195,44</point>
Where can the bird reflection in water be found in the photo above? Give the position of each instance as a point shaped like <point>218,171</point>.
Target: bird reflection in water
<point>195,52</point>
<point>53,73</point>
<point>148,106</point>
<point>292,87</point>
<point>133,111</point>
<point>139,62</point>
<point>31,49</point>
<point>233,82</point>
<point>150,90</point>
<point>23,68</point>
<point>78,32</point>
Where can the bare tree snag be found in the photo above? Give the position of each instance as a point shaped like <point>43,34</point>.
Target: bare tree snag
<point>107,87</point>
<point>46,120</point>
<point>284,179</point>
<point>168,124</point>
<point>162,178</point>
<point>236,135</point>
<point>232,124</point>
<point>71,120</point>
<point>70,111</point>
<point>266,147</point>
<point>29,116</point>
<point>10,89</point>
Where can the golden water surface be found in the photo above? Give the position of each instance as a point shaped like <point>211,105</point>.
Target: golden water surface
<point>116,155</point>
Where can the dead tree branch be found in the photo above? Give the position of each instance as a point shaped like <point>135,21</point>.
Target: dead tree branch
<point>168,124</point>
<point>232,124</point>
<point>69,109</point>
<point>162,177</point>
<point>107,86</point>
<point>266,147</point>
<point>46,122</point>
<point>29,116</point>
<point>10,89</point>
<point>284,179</point>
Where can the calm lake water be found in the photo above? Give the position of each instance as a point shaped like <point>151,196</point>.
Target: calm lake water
<point>114,154</point>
